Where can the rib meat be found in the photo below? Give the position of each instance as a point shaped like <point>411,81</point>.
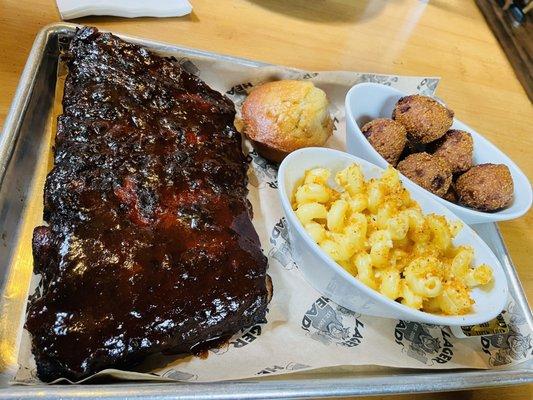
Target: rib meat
<point>149,245</point>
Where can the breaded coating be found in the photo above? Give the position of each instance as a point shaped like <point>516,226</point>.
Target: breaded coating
<point>409,149</point>
<point>424,119</point>
<point>451,194</point>
<point>457,147</point>
<point>431,172</point>
<point>387,136</point>
<point>486,187</point>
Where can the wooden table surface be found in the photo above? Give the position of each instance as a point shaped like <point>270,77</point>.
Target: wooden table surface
<point>446,38</point>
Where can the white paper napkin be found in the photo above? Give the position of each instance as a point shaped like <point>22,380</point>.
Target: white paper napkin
<point>70,9</point>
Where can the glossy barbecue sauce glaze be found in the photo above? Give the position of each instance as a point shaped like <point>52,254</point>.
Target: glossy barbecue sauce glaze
<point>149,245</point>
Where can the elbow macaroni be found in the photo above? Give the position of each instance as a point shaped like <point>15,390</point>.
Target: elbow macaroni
<point>377,233</point>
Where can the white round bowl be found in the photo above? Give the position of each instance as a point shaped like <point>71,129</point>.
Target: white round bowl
<point>367,101</point>
<point>333,281</point>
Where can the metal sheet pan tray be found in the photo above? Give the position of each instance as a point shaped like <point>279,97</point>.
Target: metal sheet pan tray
<point>21,142</point>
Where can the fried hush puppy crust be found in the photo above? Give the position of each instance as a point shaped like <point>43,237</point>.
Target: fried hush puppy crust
<point>451,194</point>
<point>456,147</point>
<point>387,137</point>
<point>428,171</point>
<point>485,187</point>
<point>424,119</point>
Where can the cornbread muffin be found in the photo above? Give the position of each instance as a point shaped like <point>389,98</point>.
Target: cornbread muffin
<point>387,136</point>
<point>428,171</point>
<point>486,187</point>
<point>457,147</point>
<point>424,119</point>
<point>282,116</point>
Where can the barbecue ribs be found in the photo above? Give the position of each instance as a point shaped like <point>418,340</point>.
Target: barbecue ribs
<point>149,245</point>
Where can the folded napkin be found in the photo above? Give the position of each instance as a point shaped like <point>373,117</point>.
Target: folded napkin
<point>70,9</point>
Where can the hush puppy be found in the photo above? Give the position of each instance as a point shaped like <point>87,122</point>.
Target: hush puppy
<point>428,171</point>
<point>456,147</point>
<point>424,119</point>
<point>387,136</point>
<point>451,194</point>
<point>485,187</point>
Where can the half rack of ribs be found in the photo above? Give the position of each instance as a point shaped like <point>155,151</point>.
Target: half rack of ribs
<point>149,246</point>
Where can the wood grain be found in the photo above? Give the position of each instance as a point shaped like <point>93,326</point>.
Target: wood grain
<point>446,38</point>
<point>516,40</point>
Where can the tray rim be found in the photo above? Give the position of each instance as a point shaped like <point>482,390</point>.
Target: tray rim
<point>277,389</point>
<point>419,381</point>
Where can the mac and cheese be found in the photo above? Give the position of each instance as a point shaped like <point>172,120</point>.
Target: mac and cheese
<point>377,233</point>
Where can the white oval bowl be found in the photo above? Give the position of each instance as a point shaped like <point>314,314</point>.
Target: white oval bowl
<point>329,278</point>
<point>368,101</point>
